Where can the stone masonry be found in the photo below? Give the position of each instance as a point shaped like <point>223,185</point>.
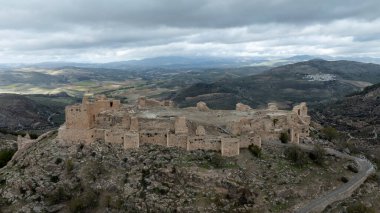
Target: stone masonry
<point>155,122</point>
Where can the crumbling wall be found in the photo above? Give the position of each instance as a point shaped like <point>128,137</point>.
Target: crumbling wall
<point>131,140</point>
<point>143,102</point>
<point>76,117</point>
<point>156,124</point>
<point>115,136</point>
<point>205,143</point>
<point>242,107</point>
<point>246,140</point>
<point>180,126</point>
<point>76,135</point>
<point>134,127</point>
<point>230,146</point>
<point>83,116</point>
<point>272,106</point>
<point>200,131</point>
<point>158,138</point>
<point>177,140</point>
<point>202,106</point>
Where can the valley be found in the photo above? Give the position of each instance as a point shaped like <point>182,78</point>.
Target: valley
<point>341,94</point>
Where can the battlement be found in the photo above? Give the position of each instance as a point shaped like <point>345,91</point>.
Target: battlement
<point>159,122</point>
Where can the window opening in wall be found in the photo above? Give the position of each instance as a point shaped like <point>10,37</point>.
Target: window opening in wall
<point>111,103</point>
<point>299,112</point>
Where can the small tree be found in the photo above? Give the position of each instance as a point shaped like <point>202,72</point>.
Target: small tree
<point>296,155</point>
<point>284,137</point>
<point>330,133</point>
<point>318,154</point>
<point>255,150</point>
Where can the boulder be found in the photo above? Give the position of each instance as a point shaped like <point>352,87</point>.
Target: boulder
<point>242,107</point>
<point>202,106</point>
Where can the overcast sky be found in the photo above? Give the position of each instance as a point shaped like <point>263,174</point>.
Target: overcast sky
<point>114,30</point>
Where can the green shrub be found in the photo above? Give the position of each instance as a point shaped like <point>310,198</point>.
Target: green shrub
<point>57,196</point>
<point>5,156</point>
<point>329,133</point>
<point>69,165</point>
<point>317,155</point>
<point>217,161</point>
<point>87,200</point>
<point>284,137</point>
<point>359,208</point>
<point>58,161</point>
<point>33,136</point>
<point>296,155</point>
<point>54,179</point>
<point>255,150</point>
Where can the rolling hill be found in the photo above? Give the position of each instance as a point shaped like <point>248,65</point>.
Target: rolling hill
<point>358,113</point>
<point>311,81</point>
<point>32,112</point>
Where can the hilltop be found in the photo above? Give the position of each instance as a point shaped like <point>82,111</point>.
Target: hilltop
<point>52,176</point>
<point>311,81</point>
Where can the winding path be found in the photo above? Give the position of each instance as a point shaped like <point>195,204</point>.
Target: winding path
<point>372,138</point>
<point>365,168</point>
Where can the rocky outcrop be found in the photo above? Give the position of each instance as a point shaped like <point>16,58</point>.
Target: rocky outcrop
<point>202,106</point>
<point>242,107</point>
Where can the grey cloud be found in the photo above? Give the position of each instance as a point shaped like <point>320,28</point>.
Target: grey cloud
<point>119,29</point>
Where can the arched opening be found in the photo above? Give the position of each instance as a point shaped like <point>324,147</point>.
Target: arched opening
<point>111,103</point>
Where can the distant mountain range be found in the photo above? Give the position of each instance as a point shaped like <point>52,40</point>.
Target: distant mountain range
<point>194,62</point>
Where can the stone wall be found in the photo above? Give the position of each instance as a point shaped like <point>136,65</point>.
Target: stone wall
<point>103,119</point>
<point>206,143</point>
<point>246,140</point>
<point>76,135</point>
<point>230,146</point>
<point>143,102</point>
<point>158,138</point>
<point>131,140</point>
<point>180,126</point>
<point>177,140</point>
<point>115,136</point>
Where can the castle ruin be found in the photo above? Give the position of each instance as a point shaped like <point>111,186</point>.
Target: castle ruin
<point>159,122</point>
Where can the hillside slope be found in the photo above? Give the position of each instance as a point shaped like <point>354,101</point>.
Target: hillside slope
<point>19,112</point>
<point>312,81</point>
<point>358,113</point>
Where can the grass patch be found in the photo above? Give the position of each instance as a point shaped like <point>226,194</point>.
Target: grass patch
<point>218,162</point>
